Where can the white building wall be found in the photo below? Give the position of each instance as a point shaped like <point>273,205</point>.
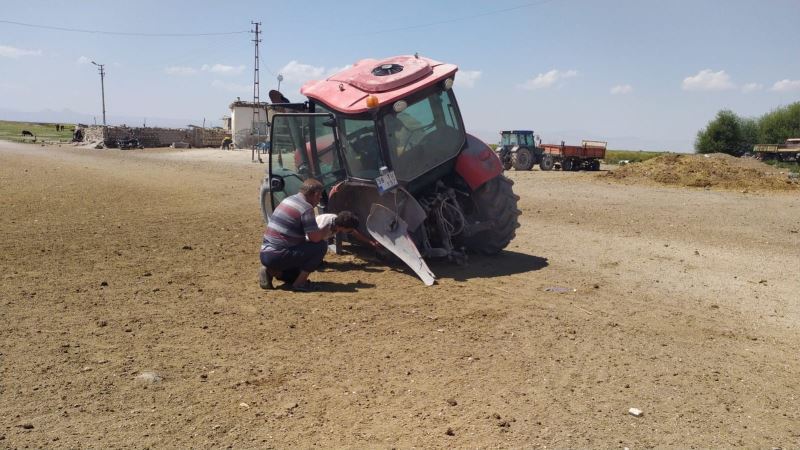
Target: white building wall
<point>242,124</point>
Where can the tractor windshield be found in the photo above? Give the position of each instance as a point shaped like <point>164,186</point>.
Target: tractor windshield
<point>424,135</point>
<point>509,139</point>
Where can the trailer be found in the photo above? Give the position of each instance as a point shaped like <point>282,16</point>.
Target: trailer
<point>788,151</point>
<point>586,156</point>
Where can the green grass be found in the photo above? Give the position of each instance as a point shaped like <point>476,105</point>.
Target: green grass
<point>615,156</point>
<point>12,131</point>
<point>790,166</point>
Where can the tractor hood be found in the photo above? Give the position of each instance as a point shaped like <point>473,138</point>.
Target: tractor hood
<point>389,80</point>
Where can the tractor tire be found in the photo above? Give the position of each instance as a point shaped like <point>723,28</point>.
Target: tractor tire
<point>507,163</point>
<point>496,201</point>
<point>566,165</point>
<point>594,166</point>
<point>547,162</point>
<point>523,159</point>
<point>264,200</point>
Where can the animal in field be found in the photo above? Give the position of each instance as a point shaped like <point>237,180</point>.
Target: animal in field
<point>27,133</point>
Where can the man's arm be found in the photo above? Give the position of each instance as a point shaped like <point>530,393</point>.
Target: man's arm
<point>371,242</point>
<point>319,235</point>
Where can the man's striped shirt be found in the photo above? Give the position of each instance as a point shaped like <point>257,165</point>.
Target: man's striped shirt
<point>289,224</point>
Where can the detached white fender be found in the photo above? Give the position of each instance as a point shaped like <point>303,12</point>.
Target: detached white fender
<point>391,231</point>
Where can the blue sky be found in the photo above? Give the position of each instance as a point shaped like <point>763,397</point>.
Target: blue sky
<point>639,74</point>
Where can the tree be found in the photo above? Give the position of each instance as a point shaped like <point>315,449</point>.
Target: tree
<point>781,124</point>
<point>722,135</point>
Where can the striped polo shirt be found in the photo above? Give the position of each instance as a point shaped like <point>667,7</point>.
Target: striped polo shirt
<point>289,224</point>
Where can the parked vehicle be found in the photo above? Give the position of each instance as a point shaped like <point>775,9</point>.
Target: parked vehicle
<point>387,141</point>
<point>788,151</point>
<point>586,156</point>
<point>518,149</point>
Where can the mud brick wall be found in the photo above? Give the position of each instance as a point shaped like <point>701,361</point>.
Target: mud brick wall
<point>156,137</point>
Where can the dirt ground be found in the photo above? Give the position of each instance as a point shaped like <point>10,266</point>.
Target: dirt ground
<point>682,302</point>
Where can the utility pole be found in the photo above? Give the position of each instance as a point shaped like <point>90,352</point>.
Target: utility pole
<point>256,100</point>
<point>102,89</point>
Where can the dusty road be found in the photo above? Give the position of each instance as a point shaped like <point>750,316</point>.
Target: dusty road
<point>686,305</point>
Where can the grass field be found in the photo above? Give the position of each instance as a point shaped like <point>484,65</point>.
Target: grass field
<point>790,166</point>
<point>12,131</point>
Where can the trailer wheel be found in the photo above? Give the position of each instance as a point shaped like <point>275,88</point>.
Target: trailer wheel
<point>523,159</point>
<point>547,162</point>
<point>566,165</point>
<point>595,165</point>
<point>496,201</point>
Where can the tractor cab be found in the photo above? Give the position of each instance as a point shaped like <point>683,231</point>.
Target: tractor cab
<point>413,133</point>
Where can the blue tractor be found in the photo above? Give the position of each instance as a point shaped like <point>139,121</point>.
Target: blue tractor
<point>520,149</point>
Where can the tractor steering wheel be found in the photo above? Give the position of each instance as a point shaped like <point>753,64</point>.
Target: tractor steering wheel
<point>412,132</point>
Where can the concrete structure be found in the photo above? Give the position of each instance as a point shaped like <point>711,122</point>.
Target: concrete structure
<point>242,124</point>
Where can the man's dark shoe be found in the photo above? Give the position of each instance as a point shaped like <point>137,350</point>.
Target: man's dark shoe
<point>264,279</point>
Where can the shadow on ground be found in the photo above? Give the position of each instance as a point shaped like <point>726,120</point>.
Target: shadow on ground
<point>503,264</point>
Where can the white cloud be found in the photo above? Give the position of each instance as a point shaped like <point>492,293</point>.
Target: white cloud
<point>180,70</point>
<point>467,78</point>
<point>14,52</point>
<point>334,70</point>
<point>706,80</point>
<point>752,87</point>
<point>786,86</point>
<point>621,89</point>
<point>232,87</point>
<point>299,73</point>
<point>546,80</point>
<point>83,60</point>
<point>223,69</point>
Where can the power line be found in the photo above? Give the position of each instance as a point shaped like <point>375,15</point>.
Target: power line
<point>121,33</point>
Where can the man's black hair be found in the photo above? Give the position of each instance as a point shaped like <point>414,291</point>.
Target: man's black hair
<point>346,219</point>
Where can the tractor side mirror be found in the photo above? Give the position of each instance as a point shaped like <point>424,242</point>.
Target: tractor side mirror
<point>276,184</point>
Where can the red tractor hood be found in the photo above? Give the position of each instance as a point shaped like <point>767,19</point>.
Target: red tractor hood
<point>347,90</point>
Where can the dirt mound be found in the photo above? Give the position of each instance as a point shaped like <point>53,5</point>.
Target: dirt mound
<point>716,170</point>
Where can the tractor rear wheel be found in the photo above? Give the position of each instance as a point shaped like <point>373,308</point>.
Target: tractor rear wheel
<point>494,201</point>
<point>523,159</point>
<point>547,162</point>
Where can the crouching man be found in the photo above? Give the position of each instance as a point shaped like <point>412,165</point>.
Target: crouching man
<point>285,252</point>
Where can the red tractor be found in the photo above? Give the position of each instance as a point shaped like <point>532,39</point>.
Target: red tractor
<point>387,141</point>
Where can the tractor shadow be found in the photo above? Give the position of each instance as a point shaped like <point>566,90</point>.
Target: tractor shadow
<point>478,266</point>
<point>500,265</point>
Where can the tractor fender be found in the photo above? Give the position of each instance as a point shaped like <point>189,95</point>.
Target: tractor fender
<point>477,163</point>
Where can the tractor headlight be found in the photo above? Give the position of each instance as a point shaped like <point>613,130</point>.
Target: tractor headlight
<point>399,106</point>
<point>448,84</point>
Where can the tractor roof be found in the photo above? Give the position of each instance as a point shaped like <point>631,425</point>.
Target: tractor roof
<point>389,80</point>
<point>517,132</point>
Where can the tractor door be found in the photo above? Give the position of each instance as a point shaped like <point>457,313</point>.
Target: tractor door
<point>302,146</point>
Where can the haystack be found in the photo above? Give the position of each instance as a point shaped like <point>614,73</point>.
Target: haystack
<point>714,171</point>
